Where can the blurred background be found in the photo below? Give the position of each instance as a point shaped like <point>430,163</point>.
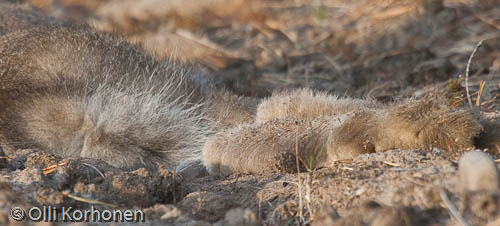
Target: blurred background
<point>386,49</point>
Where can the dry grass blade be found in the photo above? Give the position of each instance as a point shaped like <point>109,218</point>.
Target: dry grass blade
<point>479,93</point>
<point>95,168</point>
<point>344,161</point>
<point>283,28</point>
<point>298,174</point>
<point>308,199</point>
<point>391,164</point>
<point>90,201</point>
<point>467,71</point>
<point>453,210</point>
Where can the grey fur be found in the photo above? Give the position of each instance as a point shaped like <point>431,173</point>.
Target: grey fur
<point>74,91</point>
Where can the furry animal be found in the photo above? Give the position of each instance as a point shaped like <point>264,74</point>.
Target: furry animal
<point>76,92</point>
<point>321,129</point>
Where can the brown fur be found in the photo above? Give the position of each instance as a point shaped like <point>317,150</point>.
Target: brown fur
<point>425,124</point>
<point>355,136</point>
<point>260,147</point>
<point>229,110</point>
<point>303,103</point>
<point>347,131</point>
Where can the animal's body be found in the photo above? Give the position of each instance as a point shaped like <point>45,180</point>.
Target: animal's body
<point>74,91</point>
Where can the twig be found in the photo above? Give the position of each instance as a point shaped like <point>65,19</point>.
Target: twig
<point>347,168</point>
<point>281,27</point>
<point>298,173</point>
<point>453,210</point>
<point>95,168</point>
<point>405,169</point>
<point>200,202</point>
<point>85,200</point>
<point>391,164</point>
<point>479,93</point>
<point>51,169</point>
<point>467,71</point>
<point>210,45</point>
<point>308,198</point>
<point>297,152</point>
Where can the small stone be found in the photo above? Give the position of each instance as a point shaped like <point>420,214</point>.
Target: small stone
<point>478,172</point>
<point>171,212</point>
<point>239,216</point>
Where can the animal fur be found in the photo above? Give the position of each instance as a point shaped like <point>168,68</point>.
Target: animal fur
<point>76,92</point>
<point>305,103</point>
<point>340,128</point>
<point>229,110</point>
<point>264,147</point>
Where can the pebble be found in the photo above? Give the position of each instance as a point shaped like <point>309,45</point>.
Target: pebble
<point>478,172</point>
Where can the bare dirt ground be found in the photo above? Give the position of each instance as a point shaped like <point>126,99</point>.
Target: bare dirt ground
<point>386,49</point>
